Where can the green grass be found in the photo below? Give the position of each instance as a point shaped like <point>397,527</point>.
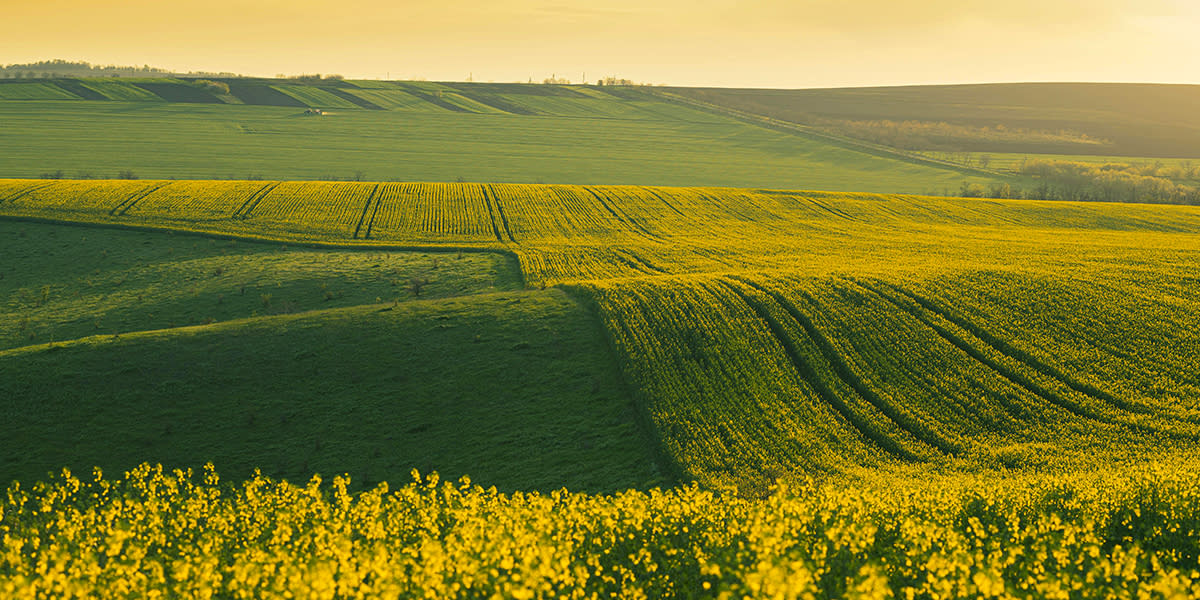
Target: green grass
<point>119,90</point>
<point>1011,161</point>
<point>650,143</point>
<point>59,283</point>
<point>394,99</point>
<point>342,369</point>
<point>769,332</point>
<point>34,91</point>
<point>315,97</point>
<point>477,384</point>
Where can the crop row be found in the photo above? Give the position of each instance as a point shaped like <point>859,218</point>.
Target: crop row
<point>611,231</point>
<point>739,371</point>
<point>776,331</point>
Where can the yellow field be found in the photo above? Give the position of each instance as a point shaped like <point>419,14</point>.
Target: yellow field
<point>1114,534</point>
<point>790,334</point>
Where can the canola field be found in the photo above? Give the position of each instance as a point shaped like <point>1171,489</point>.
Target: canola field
<point>150,533</point>
<point>1000,373</point>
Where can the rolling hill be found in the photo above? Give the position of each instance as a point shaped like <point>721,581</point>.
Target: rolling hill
<point>424,131</point>
<point>1131,120</point>
<point>848,395</point>
<point>120,345</point>
<point>771,333</point>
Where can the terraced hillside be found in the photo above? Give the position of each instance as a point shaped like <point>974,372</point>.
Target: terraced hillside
<point>780,332</point>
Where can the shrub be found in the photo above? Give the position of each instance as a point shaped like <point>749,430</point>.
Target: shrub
<point>216,87</point>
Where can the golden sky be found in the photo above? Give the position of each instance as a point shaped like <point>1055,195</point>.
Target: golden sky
<point>755,43</point>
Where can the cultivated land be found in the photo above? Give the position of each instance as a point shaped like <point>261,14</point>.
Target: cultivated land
<point>329,359</point>
<point>768,332</point>
<point>420,131</point>
<point>995,398</point>
<point>1187,167</point>
<point>1140,120</point>
<point>962,397</point>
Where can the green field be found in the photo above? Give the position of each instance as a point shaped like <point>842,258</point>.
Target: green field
<point>1142,120</point>
<point>295,361</point>
<point>768,332</point>
<point>959,397</point>
<point>433,132</point>
<point>914,140</point>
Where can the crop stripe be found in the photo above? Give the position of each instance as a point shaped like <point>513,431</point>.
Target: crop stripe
<point>1014,375</point>
<point>865,428</point>
<point>26,191</point>
<point>243,211</point>
<point>843,370</point>
<point>123,207</point>
<point>366,208</point>
<point>489,197</point>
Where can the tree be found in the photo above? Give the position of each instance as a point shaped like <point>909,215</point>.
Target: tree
<point>216,87</point>
<point>971,190</point>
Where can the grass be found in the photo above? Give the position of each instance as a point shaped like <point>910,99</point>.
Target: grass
<point>59,283</point>
<point>1138,119</point>
<point>473,384</point>
<point>314,97</point>
<point>769,332</point>
<point>1011,161</point>
<point>343,369</point>
<point>34,91</point>
<point>120,91</point>
<point>941,384</point>
<point>597,140</point>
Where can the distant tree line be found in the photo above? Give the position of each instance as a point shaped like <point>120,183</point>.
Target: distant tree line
<point>311,78</point>
<point>59,174</point>
<point>1090,182</point>
<point>950,137</point>
<point>47,69</point>
<point>615,81</point>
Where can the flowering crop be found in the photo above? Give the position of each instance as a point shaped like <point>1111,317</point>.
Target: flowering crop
<point>1125,533</point>
<point>767,334</point>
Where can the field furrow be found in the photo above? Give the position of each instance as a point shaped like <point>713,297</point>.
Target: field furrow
<point>366,210</point>
<point>844,364</point>
<point>243,212</point>
<point>787,332</point>
<point>806,358</point>
<point>1054,391</point>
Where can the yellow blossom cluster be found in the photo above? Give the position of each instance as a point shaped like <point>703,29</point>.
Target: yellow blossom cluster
<point>1123,533</point>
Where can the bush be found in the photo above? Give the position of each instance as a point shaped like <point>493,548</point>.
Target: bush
<point>216,87</point>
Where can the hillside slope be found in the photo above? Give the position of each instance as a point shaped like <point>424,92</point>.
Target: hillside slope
<point>1134,119</point>
<point>422,131</point>
<point>769,333</point>
<point>478,384</point>
<point>120,347</point>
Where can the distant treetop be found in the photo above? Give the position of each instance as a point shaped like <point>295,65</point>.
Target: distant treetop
<point>67,68</point>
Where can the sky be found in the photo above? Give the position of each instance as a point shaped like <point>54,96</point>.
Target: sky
<point>720,43</point>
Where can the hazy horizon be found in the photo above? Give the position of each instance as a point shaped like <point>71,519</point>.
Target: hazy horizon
<point>705,43</point>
